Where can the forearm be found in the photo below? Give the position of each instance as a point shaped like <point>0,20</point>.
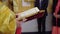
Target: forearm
<point>57,10</point>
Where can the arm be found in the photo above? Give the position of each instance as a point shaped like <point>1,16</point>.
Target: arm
<point>18,30</point>
<point>56,10</point>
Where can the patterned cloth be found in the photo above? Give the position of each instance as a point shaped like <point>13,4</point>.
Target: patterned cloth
<point>7,20</point>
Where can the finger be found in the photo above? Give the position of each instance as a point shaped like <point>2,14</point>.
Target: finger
<point>24,19</point>
<point>54,14</point>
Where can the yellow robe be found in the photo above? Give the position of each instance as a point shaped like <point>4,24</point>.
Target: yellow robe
<point>7,20</point>
<point>8,3</point>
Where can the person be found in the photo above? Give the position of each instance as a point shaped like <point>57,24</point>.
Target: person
<point>42,5</point>
<point>56,24</point>
<point>18,29</point>
<point>7,20</point>
<point>57,10</point>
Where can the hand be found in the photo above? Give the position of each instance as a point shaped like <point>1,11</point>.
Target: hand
<point>54,15</point>
<point>20,21</point>
<point>57,16</point>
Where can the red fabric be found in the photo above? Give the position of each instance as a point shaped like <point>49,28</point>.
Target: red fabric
<point>57,7</point>
<point>56,29</point>
<point>18,30</point>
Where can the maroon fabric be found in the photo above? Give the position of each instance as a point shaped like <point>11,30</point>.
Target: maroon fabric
<point>39,15</point>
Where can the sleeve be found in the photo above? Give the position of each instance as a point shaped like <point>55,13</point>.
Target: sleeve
<point>7,20</point>
<point>12,24</point>
<point>57,7</point>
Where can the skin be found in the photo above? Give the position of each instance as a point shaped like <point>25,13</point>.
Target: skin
<point>57,10</point>
<point>20,21</point>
